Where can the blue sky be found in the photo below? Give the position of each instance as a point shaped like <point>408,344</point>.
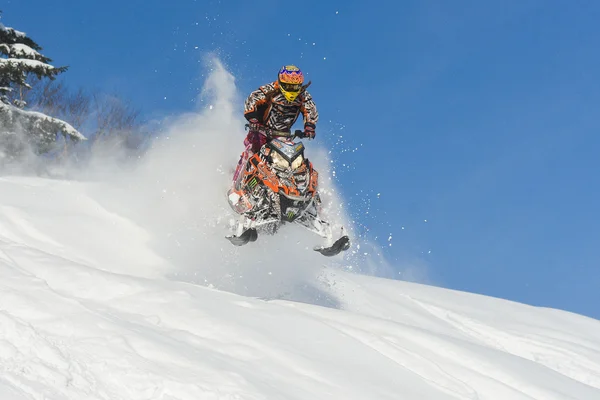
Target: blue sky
<point>476,122</point>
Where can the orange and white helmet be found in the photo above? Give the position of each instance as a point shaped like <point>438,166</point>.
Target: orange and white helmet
<point>290,80</point>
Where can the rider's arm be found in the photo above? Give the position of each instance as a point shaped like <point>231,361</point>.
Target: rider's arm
<point>252,103</point>
<point>309,111</point>
<point>254,107</point>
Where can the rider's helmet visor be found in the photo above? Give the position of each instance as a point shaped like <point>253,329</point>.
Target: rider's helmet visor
<point>291,87</point>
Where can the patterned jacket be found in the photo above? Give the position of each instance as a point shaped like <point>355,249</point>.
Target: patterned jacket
<point>270,108</point>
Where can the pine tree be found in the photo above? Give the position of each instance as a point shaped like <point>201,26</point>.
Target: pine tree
<point>20,58</point>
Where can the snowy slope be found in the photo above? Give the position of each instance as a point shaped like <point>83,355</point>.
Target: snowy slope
<point>87,313</point>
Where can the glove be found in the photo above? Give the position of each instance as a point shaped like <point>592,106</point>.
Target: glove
<point>253,124</point>
<point>309,131</point>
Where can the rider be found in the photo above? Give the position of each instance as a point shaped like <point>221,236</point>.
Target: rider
<point>277,105</point>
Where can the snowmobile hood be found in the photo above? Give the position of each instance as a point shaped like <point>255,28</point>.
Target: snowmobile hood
<point>288,150</point>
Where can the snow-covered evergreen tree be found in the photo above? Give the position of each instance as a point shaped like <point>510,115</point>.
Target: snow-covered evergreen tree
<point>20,58</point>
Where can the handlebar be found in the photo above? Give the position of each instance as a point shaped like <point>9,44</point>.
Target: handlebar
<point>269,132</point>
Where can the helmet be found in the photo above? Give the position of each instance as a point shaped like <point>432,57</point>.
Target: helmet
<point>290,81</point>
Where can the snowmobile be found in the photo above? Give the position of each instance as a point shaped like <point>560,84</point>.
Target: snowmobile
<point>278,185</point>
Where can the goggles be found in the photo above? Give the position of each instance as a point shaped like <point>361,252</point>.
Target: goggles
<point>290,87</point>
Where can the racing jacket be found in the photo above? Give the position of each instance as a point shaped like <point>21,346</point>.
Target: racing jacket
<point>270,108</point>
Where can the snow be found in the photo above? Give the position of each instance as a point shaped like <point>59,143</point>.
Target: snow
<point>85,313</point>
<point>12,31</point>
<point>31,65</point>
<point>65,127</point>
<point>120,285</point>
<point>18,50</point>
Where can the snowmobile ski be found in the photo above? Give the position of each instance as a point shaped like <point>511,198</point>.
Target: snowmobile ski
<point>249,235</point>
<point>342,244</point>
